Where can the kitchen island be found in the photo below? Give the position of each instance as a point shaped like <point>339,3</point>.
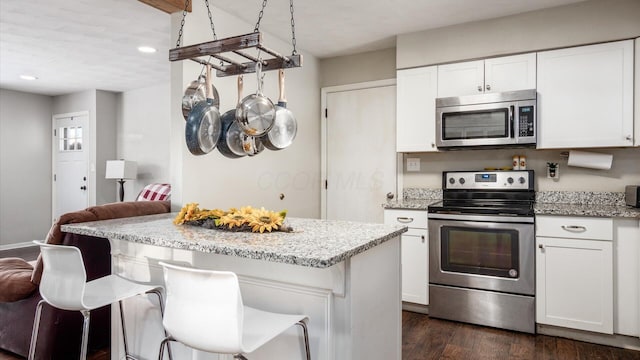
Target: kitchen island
<point>344,275</point>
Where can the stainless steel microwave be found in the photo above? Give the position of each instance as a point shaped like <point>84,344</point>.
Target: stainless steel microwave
<point>487,120</point>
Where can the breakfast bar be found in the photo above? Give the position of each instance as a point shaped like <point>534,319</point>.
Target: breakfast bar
<point>344,275</point>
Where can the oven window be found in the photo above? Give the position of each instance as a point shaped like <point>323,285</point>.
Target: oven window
<point>475,124</point>
<point>491,252</point>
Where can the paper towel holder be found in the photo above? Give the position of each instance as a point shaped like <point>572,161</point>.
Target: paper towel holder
<point>590,160</point>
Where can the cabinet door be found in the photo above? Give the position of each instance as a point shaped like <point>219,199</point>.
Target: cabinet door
<point>416,109</point>
<point>574,283</point>
<point>415,267</point>
<point>509,73</point>
<point>585,96</point>
<point>626,286</point>
<point>465,78</point>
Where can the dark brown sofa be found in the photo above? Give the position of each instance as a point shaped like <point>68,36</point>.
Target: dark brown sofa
<point>60,331</point>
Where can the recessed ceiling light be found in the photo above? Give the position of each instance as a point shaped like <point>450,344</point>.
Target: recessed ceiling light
<point>28,77</point>
<point>146,49</point>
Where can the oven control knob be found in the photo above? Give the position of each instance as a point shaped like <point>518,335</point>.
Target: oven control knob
<point>461,180</point>
<point>510,180</point>
<point>452,181</point>
<point>521,180</point>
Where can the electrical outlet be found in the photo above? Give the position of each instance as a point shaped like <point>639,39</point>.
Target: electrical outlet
<point>413,164</point>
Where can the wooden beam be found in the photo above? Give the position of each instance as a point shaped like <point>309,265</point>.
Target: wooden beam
<point>168,6</point>
<point>271,64</point>
<point>215,47</point>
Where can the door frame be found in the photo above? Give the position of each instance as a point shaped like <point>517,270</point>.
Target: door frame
<point>324,92</point>
<point>54,147</point>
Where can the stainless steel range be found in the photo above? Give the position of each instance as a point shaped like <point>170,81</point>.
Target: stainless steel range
<point>482,249</point>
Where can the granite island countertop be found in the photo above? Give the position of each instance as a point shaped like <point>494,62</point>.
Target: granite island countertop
<point>314,243</point>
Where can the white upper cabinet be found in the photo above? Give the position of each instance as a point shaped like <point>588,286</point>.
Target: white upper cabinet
<point>416,109</point>
<point>585,96</point>
<point>507,73</point>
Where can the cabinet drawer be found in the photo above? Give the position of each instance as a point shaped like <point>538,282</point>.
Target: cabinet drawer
<point>409,218</point>
<point>575,227</point>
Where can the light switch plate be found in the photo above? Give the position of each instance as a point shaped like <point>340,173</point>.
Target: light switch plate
<point>413,164</point>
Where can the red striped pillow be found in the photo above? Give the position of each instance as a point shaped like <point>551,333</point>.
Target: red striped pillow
<point>155,192</point>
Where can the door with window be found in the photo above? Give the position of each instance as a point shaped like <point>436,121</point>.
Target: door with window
<point>71,164</point>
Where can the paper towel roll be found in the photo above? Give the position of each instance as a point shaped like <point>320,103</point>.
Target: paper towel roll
<point>590,160</point>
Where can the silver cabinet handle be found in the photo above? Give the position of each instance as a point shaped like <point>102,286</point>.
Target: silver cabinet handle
<point>629,138</point>
<point>541,246</point>
<point>390,195</point>
<point>403,219</point>
<point>422,237</point>
<point>480,88</point>
<point>488,87</point>
<point>433,145</point>
<point>574,228</point>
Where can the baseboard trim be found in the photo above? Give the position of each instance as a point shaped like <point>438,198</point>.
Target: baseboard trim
<point>621,341</point>
<point>17,245</point>
<point>417,308</point>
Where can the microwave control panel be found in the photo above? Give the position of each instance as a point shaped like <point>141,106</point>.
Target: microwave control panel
<point>527,119</point>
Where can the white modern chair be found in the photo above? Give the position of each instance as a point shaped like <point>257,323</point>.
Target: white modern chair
<point>204,311</point>
<point>64,286</point>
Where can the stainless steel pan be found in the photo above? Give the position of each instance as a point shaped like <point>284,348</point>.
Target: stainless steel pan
<point>255,113</point>
<point>195,93</point>
<point>202,130</point>
<point>230,143</point>
<point>285,125</point>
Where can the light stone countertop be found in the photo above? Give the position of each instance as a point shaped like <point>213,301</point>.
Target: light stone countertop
<point>410,204</point>
<point>314,243</point>
<point>619,211</point>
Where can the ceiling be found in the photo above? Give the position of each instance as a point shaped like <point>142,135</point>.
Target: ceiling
<point>78,45</point>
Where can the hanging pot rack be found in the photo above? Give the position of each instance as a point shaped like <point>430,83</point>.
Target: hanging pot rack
<point>237,45</point>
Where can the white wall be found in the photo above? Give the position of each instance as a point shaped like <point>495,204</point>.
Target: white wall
<point>352,69</point>
<point>25,166</point>
<point>575,24</point>
<point>625,169</point>
<point>143,135</point>
<point>217,182</point>
<point>106,118</point>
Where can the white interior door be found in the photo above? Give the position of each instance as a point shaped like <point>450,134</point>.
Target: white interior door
<point>360,152</point>
<point>70,173</point>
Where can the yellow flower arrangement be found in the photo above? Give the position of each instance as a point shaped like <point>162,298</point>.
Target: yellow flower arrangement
<point>247,218</point>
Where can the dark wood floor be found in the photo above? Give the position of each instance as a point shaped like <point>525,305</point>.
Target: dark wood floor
<point>424,338</point>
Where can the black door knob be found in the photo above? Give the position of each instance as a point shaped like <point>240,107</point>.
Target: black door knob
<point>83,188</point>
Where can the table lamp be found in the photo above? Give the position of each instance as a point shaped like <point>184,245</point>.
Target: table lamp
<point>122,170</point>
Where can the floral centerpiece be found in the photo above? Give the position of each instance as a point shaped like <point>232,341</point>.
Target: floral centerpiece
<point>244,219</point>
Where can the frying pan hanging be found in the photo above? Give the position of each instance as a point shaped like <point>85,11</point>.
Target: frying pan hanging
<point>255,113</point>
<point>202,130</point>
<point>230,143</point>
<point>285,125</point>
<point>196,92</point>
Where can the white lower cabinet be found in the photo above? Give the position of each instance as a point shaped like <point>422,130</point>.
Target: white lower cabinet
<point>574,272</point>
<point>626,275</point>
<point>415,253</point>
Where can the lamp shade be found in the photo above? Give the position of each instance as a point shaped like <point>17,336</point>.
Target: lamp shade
<point>121,169</point>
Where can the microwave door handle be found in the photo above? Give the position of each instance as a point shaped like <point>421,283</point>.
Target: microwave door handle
<point>511,124</point>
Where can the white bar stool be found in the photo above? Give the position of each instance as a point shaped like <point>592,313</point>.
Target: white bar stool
<point>205,311</point>
<point>64,286</point>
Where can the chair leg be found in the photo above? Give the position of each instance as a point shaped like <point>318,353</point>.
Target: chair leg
<point>124,332</point>
<point>161,303</point>
<point>85,334</point>
<point>162,343</point>
<point>34,331</point>
<point>303,324</point>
